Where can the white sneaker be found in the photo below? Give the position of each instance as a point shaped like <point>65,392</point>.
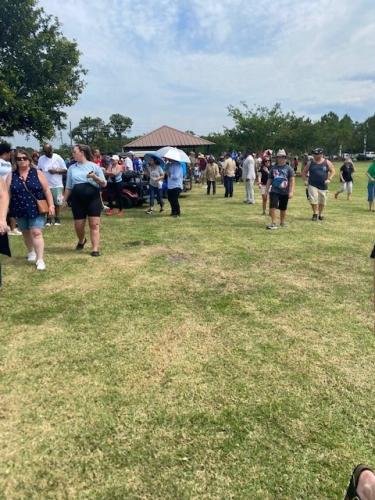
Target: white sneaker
<point>40,265</point>
<point>31,256</point>
<point>15,232</point>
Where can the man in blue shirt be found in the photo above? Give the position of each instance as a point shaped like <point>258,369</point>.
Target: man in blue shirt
<point>175,185</point>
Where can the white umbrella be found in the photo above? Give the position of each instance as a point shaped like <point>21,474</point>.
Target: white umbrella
<point>173,154</point>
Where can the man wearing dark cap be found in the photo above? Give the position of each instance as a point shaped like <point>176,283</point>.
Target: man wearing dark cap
<point>317,175</point>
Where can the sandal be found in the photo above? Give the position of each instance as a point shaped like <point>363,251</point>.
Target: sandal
<point>95,253</point>
<point>351,492</point>
<point>80,246</point>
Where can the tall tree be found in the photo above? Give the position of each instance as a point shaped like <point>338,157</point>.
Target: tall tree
<point>91,131</point>
<point>40,72</point>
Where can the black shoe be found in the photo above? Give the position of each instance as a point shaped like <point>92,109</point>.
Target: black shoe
<point>57,221</point>
<point>321,217</point>
<point>80,246</point>
<point>95,254</point>
<point>161,209</point>
<point>314,217</point>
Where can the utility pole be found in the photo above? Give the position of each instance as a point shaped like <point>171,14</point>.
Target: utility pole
<point>70,134</point>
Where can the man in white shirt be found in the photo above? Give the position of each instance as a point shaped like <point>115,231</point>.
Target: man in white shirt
<point>129,167</point>
<point>53,167</point>
<point>248,176</point>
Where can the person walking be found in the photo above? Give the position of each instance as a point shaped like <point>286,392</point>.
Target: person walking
<point>175,184</point>
<point>113,173</point>
<point>229,173</point>
<point>83,184</point>
<point>27,186</point>
<point>249,176</point>
<point>212,172</point>
<point>317,175</point>
<point>371,186</point>
<point>5,170</point>
<point>156,175</point>
<point>346,177</point>
<point>53,167</point>
<point>281,180</point>
<point>262,181</point>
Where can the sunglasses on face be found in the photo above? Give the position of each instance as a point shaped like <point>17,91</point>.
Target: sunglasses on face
<point>22,158</point>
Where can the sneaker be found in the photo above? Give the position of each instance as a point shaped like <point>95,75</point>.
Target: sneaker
<point>15,232</point>
<point>31,256</point>
<point>321,217</point>
<point>40,265</point>
<point>314,217</point>
<point>95,253</point>
<point>149,211</point>
<point>161,209</point>
<point>271,226</point>
<point>80,246</point>
<point>57,221</point>
<point>48,222</point>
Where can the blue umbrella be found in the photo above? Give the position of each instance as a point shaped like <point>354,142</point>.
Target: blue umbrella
<point>154,156</point>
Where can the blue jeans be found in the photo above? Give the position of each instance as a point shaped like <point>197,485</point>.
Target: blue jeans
<point>155,192</point>
<point>228,184</point>
<point>371,192</point>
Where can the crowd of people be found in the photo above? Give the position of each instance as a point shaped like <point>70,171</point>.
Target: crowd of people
<point>35,187</point>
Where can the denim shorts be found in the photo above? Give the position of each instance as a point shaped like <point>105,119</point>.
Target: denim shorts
<point>26,223</point>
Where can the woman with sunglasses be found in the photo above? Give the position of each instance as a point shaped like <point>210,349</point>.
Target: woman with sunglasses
<point>83,184</point>
<point>26,185</point>
<point>262,181</point>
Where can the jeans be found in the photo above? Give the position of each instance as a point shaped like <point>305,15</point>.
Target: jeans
<point>173,195</point>
<point>115,193</point>
<point>157,193</point>
<point>228,184</point>
<point>371,191</point>
<point>213,184</point>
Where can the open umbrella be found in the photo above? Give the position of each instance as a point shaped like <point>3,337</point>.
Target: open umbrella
<point>173,154</point>
<point>152,154</point>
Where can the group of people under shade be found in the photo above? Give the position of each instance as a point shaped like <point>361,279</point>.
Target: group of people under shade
<point>24,187</point>
<point>85,178</point>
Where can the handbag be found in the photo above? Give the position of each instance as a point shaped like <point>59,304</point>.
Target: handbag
<point>42,205</point>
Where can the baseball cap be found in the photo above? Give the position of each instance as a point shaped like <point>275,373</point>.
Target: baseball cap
<point>317,151</point>
<point>281,152</point>
<point>115,157</point>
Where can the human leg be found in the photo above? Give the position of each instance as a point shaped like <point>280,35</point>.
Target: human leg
<point>79,226</point>
<point>213,187</point>
<point>208,187</point>
<point>226,192</point>
<point>119,200</point>
<point>94,225</point>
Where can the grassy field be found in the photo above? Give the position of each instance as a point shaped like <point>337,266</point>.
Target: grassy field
<point>203,357</point>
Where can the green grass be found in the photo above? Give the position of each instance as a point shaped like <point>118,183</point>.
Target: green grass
<point>197,358</point>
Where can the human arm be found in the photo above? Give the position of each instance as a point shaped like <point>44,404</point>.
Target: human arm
<point>4,203</point>
<point>305,172</point>
<point>292,185</point>
<point>97,175</point>
<point>341,172</point>
<point>61,167</point>
<point>331,172</point>
<point>47,193</point>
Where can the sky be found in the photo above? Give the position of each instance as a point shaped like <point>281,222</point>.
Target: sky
<point>183,62</point>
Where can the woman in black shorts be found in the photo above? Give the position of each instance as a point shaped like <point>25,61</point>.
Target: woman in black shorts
<point>83,184</point>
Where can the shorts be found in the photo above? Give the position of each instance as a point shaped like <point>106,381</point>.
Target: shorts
<point>27,223</point>
<point>262,189</point>
<point>85,201</point>
<point>57,195</point>
<point>371,192</point>
<point>317,196</point>
<point>279,201</point>
<point>347,187</point>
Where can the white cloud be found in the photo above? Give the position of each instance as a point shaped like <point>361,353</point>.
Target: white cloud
<point>182,63</point>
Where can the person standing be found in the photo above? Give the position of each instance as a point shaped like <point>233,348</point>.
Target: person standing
<point>229,173</point>
<point>212,172</point>
<point>53,167</point>
<point>113,173</point>
<point>175,184</point>
<point>371,186</point>
<point>83,184</point>
<point>346,178</point>
<point>5,170</point>
<point>4,204</point>
<point>27,185</point>
<point>156,175</point>
<point>281,180</point>
<point>317,174</point>
<point>248,176</point>
<point>262,181</point>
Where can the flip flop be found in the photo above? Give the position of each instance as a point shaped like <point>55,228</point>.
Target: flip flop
<point>351,492</point>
